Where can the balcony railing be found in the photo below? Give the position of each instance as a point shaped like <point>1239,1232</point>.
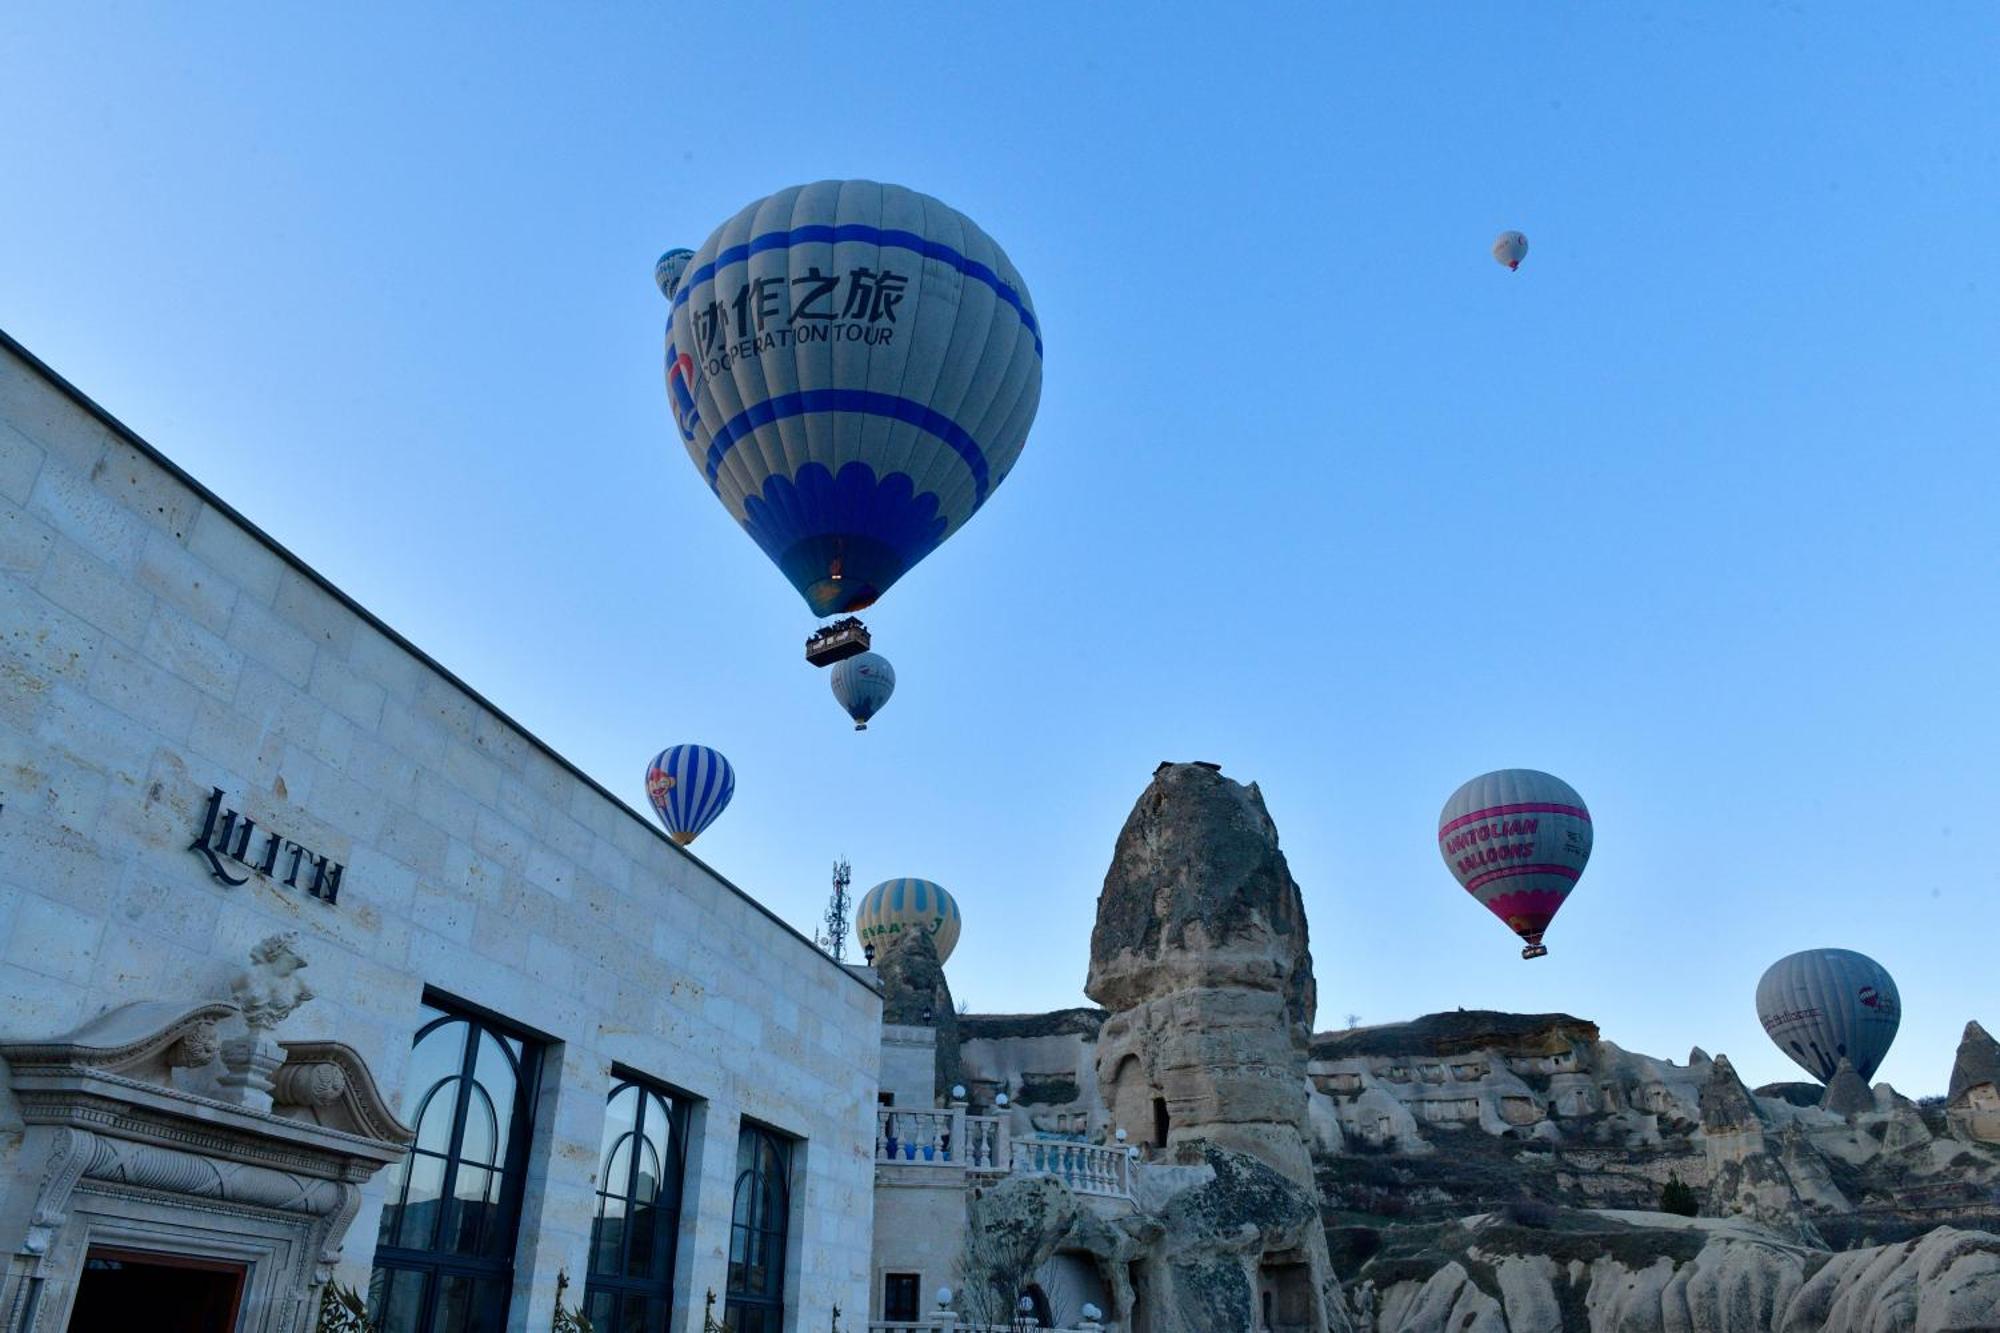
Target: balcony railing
<point>950,1323</point>
<point>1084,1167</point>
<point>910,1136</point>
<point>919,1137</point>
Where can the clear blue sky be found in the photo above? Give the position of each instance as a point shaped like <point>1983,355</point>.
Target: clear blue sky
<point>1700,510</point>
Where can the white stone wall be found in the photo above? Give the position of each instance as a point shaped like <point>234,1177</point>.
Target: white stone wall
<point>152,648</point>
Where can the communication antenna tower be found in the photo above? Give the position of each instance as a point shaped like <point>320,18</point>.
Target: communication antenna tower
<point>833,938</point>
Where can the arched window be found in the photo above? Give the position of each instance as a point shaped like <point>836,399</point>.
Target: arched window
<point>631,1283</point>
<point>762,1216</point>
<point>444,1258</point>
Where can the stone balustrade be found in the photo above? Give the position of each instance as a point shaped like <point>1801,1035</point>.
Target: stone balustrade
<point>947,1322</point>
<point>918,1136</point>
<point>1085,1168</point>
<point>915,1136</point>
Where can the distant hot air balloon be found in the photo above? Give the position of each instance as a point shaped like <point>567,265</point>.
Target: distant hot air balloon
<point>689,785</point>
<point>862,685</point>
<point>1517,840</point>
<point>853,368</point>
<point>1510,248</point>
<point>1825,1004</point>
<point>897,905</point>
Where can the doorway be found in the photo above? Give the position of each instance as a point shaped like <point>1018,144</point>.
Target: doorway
<point>161,1293</point>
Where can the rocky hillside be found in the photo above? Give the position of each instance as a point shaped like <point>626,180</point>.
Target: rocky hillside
<point>1507,1171</point>
<point>1474,1171</point>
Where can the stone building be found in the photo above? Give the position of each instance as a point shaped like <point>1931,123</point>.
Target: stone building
<point>316,967</point>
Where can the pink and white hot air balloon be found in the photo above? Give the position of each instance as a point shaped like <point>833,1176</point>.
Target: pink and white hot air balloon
<point>1517,840</point>
<point>1510,248</point>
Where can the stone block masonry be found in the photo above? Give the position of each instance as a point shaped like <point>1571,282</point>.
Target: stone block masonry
<point>155,649</point>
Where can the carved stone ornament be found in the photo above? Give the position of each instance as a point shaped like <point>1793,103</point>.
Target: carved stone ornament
<point>266,994</point>
<point>121,1149</point>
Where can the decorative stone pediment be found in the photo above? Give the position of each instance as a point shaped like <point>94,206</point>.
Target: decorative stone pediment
<point>150,1129</point>
<point>329,1084</point>
<point>146,1042</point>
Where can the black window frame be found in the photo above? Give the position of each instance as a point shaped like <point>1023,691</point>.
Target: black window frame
<point>667,1214</point>
<point>436,1263</point>
<point>768,1306</point>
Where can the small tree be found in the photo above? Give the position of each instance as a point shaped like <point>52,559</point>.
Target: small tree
<point>1677,1196</point>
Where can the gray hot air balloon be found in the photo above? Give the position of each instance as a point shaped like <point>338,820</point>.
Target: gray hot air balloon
<point>862,685</point>
<point>1824,1004</point>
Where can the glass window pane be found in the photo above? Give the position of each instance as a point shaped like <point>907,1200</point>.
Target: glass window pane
<point>454,1307</point>
<point>618,1170</point>
<point>495,1073</point>
<point>438,1055</point>
<point>600,1306</point>
<point>412,1224</point>
<point>435,1111</point>
<point>396,1299</point>
<point>645,1218</point>
<point>647,1185</point>
<point>610,1235</point>
<point>481,1140</point>
<point>476,1190</point>
<point>620,1118</point>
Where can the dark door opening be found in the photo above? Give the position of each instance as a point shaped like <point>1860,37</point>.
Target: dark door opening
<point>1159,1122</point>
<point>161,1293</point>
<point>900,1300</point>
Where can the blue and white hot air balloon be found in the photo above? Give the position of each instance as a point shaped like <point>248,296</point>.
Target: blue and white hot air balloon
<point>853,368</point>
<point>862,685</point>
<point>898,905</point>
<point>689,785</point>
<point>1822,1006</point>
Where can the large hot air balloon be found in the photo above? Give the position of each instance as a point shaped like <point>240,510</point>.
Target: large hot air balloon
<point>1517,840</point>
<point>689,785</point>
<point>1825,1004</point>
<point>897,905</point>
<point>853,368</point>
<point>862,685</point>
<point>1510,248</point>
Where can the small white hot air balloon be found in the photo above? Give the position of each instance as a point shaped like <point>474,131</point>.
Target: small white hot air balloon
<point>863,684</point>
<point>1510,248</point>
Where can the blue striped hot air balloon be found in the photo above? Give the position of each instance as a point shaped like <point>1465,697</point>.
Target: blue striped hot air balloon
<point>689,785</point>
<point>853,368</point>
<point>898,905</point>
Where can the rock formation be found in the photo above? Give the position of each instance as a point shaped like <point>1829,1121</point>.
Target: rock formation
<point>1972,1104</point>
<point>1200,955</point>
<point>1608,1276</point>
<point>914,992</point>
<point>1846,1094</point>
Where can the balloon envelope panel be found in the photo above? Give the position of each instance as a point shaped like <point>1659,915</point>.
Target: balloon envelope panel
<point>1822,1004</point>
<point>897,905</point>
<point>689,785</point>
<point>1517,840</point>
<point>862,684</point>
<point>853,368</point>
